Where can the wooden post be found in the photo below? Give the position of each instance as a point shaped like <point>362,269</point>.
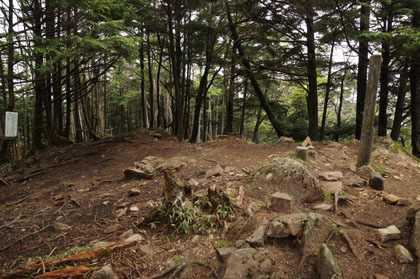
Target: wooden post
<point>369,111</point>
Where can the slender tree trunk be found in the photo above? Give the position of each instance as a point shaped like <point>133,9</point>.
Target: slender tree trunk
<point>158,97</point>
<point>263,99</point>
<point>10,59</point>
<point>312,99</point>
<point>257,125</point>
<point>151,90</point>
<point>399,107</point>
<point>230,95</point>
<point>362,67</point>
<point>143,94</point>
<point>242,127</point>
<point>384,90</point>
<point>340,106</point>
<point>327,91</point>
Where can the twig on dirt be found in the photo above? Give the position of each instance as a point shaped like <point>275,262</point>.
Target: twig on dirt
<point>19,201</point>
<point>43,264</point>
<point>165,272</point>
<point>24,237</point>
<point>178,270</point>
<point>350,243</point>
<point>70,272</point>
<point>369,224</point>
<point>110,181</point>
<point>375,243</point>
<point>52,251</point>
<point>21,179</point>
<point>11,222</point>
<point>4,180</point>
<point>58,236</point>
<point>213,272</point>
<point>335,201</point>
<point>96,222</point>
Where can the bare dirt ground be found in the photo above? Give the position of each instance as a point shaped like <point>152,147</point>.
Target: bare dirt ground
<point>83,186</point>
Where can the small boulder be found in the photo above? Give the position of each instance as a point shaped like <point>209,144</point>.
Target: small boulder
<point>257,238</point>
<point>214,171</point>
<point>333,186</point>
<point>402,254</point>
<point>281,202</point>
<point>316,232</point>
<point>389,233</point>
<point>243,224</point>
<point>307,142</point>
<point>286,225</point>
<point>286,175</point>
<point>331,175</point>
<point>415,235</point>
<point>126,234</point>
<point>390,198</point>
<point>323,207</point>
<point>364,171</point>
<point>133,238</point>
<point>326,265</point>
<point>354,181</point>
<point>241,244</point>
<point>133,192</point>
<point>137,174</point>
<point>224,252</point>
<point>105,272</point>
<point>376,181</point>
<point>248,263</point>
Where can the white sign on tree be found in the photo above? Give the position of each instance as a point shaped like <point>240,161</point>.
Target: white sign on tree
<point>11,124</point>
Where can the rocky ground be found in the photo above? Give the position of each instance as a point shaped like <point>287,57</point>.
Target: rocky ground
<point>324,218</point>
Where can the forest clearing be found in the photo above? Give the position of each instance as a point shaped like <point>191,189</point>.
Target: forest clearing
<point>209,139</point>
<point>80,198</point>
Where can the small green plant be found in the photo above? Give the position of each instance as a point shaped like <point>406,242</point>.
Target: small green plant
<point>155,172</point>
<point>222,243</point>
<point>328,195</point>
<point>178,259</point>
<point>381,169</point>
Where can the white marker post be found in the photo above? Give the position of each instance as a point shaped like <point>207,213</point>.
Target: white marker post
<point>11,132</point>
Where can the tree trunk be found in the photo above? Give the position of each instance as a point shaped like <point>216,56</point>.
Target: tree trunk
<point>263,99</point>
<point>143,97</point>
<point>242,127</point>
<point>415,91</point>
<point>327,91</point>
<point>399,107</point>
<point>312,99</point>
<point>384,90</point>
<point>362,67</point>
<point>10,59</point>
<point>230,95</point>
<point>340,106</point>
<point>151,92</point>
<point>369,111</point>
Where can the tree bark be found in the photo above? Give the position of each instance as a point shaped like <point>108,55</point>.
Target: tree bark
<point>340,106</point>
<point>399,107</point>
<point>327,91</point>
<point>362,68</point>
<point>142,86</point>
<point>263,99</point>
<point>384,90</point>
<point>369,111</point>
<point>230,95</point>
<point>312,99</point>
<point>151,90</point>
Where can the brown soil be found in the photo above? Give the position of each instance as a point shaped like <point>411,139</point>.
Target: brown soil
<point>82,185</point>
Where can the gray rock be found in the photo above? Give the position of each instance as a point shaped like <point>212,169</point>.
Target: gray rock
<point>242,225</point>
<point>323,207</point>
<point>364,171</point>
<point>316,232</point>
<point>126,234</point>
<point>105,272</point>
<point>287,176</point>
<point>248,263</point>
<point>137,174</point>
<point>224,252</point>
<point>326,265</point>
<point>257,238</point>
<point>376,181</point>
<point>133,238</point>
<point>214,171</point>
<point>415,235</point>
<point>281,202</point>
<point>333,186</point>
<point>402,254</point>
<point>355,181</point>
<point>240,244</point>
<point>331,175</point>
<point>389,233</point>
<point>61,226</point>
<point>286,225</point>
<point>302,153</point>
<point>285,140</point>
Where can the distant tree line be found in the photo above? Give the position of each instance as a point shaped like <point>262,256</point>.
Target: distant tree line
<point>81,70</point>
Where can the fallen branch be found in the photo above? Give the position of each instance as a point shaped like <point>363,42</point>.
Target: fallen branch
<point>33,266</point>
<point>375,243</point>
<point>18,201</point>
<point>70,272</point>
<point>165,272</point>
<point>369,224</point>
<point>24,237</point>
<point>350,243</point>
<point>21,179</point>
<point>178,270</point>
